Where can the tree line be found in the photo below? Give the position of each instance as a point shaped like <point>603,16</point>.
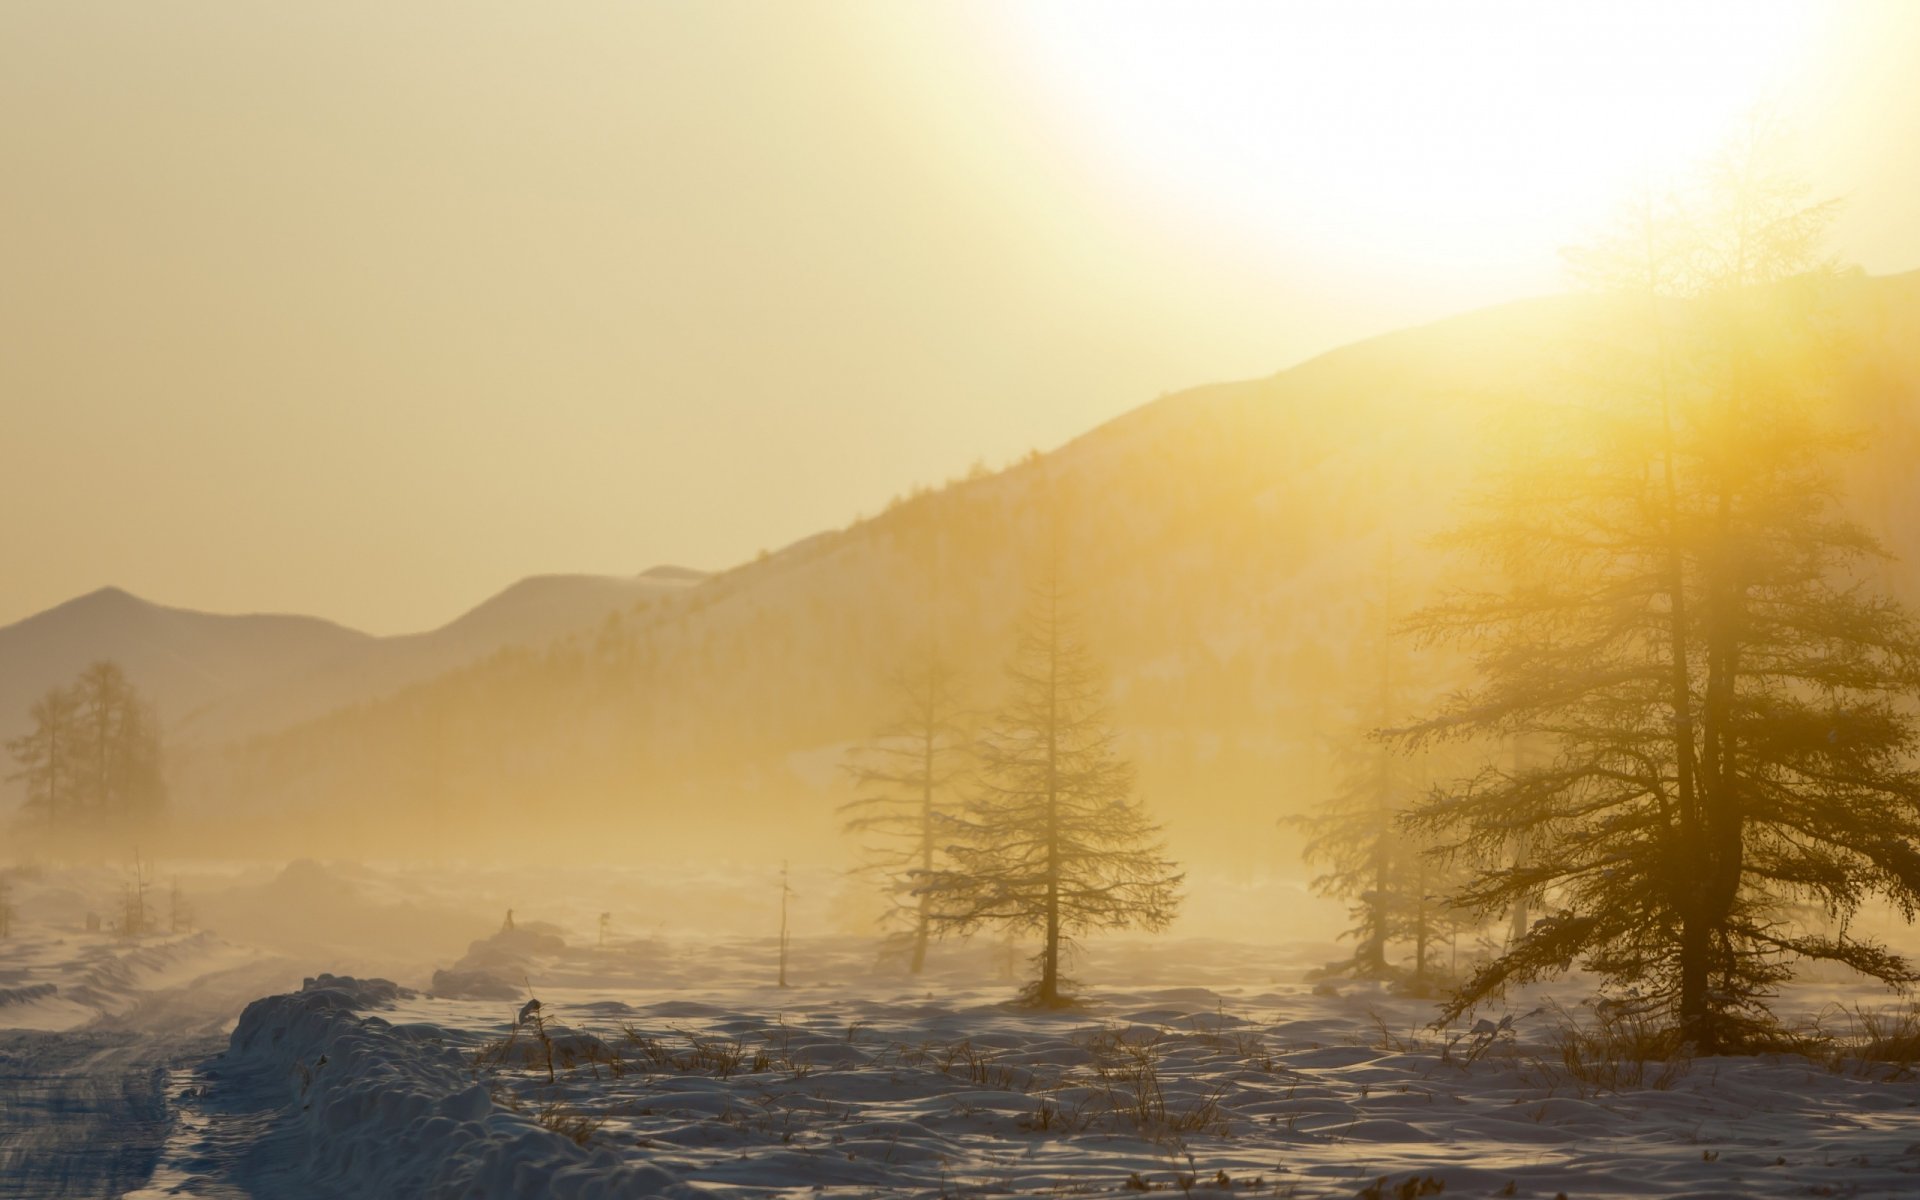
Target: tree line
<point>1671,732</point>
<point>92,757</point>
<point>1023,819</point>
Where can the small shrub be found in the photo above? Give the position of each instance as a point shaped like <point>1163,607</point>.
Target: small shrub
<point>578,1127</point>
<point>1620,1049</point>
<point>1886,1040</point>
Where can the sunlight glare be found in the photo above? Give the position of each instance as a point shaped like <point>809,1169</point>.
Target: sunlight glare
<point>1447,135</point>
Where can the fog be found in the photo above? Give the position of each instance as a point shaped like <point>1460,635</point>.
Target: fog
<point>640,634</point>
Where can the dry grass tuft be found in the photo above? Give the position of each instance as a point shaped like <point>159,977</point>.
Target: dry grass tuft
<point>577,1127</point>
<point>1127,1069</point>
<point>1619,1050</point>
<point>1882,1043</point>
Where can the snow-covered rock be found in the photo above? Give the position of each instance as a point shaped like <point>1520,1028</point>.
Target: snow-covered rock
<point>379,1109</point>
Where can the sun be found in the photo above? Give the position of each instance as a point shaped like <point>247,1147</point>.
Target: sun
<point>1451,135</point>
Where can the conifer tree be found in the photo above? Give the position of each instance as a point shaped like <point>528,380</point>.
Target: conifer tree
<point>48,756</point>
<point>1052,840</point>
<point>906,777</point>
<point>105,704</point>
<point>118,770</point>
<point>1688,634</point>
<point>1397,892</point>
<point>93,756</point>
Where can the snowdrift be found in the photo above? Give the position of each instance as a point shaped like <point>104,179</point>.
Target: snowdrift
<point>373,1108</point>
<point>55,982</point>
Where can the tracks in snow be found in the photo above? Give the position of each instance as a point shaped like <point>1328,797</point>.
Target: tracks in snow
<point>89,1113</point>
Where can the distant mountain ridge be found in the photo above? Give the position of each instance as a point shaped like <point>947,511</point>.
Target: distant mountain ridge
<point>180,658</point>
<point>1226,543</point>
<point>217,676</point>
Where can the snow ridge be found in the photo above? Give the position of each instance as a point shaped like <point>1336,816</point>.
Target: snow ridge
<point>374,1108</point>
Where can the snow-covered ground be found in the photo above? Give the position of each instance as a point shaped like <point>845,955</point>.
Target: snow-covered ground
<point>1194,1066</point>
<point>679,1068</point>
<point>91,1026</point>
<point>57,981</point>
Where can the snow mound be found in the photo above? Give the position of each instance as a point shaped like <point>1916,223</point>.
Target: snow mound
<point>497,967</point>
<point>28,993</point>
<point>386,1110</point>
<point>52,981</point>
<point>459,984</point>
<point>358,993</point>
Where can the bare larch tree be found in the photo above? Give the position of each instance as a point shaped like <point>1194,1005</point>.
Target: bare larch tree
<point>93,754</point>
<point>1690,636</point>
<point>905,778</point>
<point>1052,840</point>
<point>1396,892</point>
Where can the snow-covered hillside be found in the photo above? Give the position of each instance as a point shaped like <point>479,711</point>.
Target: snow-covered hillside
<point>1226,546</point>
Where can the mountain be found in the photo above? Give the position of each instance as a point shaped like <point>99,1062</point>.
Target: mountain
<point>532,612</point>
<point>216,677</point>
<point>1227,548</point>
<point>182,659</point>
<point>1223,540</point>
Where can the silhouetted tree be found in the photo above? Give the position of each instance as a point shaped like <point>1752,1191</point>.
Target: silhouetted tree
<point>93,755</point>
<point>786,938</point>
<point>1520,916</point>
<point>1397,891</point>
<point>105,701</point>
<point>119,747</point>
<point>49,759</point>
<point>1688,635</point>
<point>136,917</point>
<point>905,776</point>
<point>1052,840</point>
<point>179,910</point>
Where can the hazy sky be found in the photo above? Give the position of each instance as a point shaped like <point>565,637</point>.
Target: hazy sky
<point>366,310</point>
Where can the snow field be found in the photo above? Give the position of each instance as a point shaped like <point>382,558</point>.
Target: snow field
<point>1194,1066</point>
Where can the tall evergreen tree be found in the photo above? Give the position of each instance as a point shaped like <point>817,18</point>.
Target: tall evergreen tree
<point>48,756</point>
<point>140,793</point>
<point>1052,840</point>
<point>906,777</point>
<point>105,702</point>
<point>1689,632</point>
<point>1396,891</point>
<point>118,755</point>
<point>93,756</point>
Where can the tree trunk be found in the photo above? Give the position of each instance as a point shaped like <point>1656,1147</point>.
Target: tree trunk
<point>1049,993</point>
<point>1696,1025</point>
<point>783,924</point>
<point>1420,932</point>
<point>60,780</point>
<point>1370,957</point>
<point>1720,863</point>
<point>1522,916</point>
<point>922,922</point>
<point>1694,778</point>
